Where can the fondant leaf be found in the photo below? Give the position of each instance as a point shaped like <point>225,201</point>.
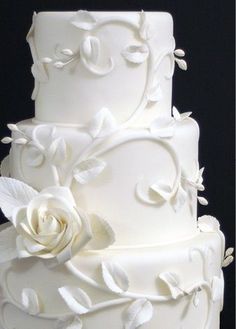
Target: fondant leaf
<point>30,34</point>
<point>83,20</point>
<point>8,244</point>
<point>102,234</point>
<point>5,167</point>
<point>202,201</point>
<point>172,281</point>
<point>180,116</point>
<point>229,252</point>
<point>182,64</point>
<point>163,190</point>
<point>88,169</point>
<point>20,141</point>
<point>138,313</point>
<point>30,301</point>
<point>57,151</point>
<point>46,60</point>
<point>44,134</point>
<point>208,224</point>
<point>6,140</point>
<point>179,52</point>
<point>90,49</point>
<point>155,93</point>
<point>115,277</point>
<point>13,194</point>
<point>67,52</point>
<point>58,65</point>
<point>76,299</point>
<point>136,54</point>
<point>103,124</point>
<point>34,157</point>
<point>70,323</point>
<point>39,72</point>
<point>12,127</point>
<point>227,261</point>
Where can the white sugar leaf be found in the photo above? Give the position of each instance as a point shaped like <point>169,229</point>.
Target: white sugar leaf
<point>229,252</point>
<point>136,54</point>
<point>176,114</point>
<point>83,20</point>
<point>39,72</point>
<point>208,224</point>
<point>88,169</point>
<point>34,157</point>
<point>163,127</point>
<point>182,64</point>
<point>202,201</point>
<point>31,30</point>
<point>90,49</point>
<point>227,261</point>
<point>144,30</point>
<point>185,115</point>
<point>155,94</point>
<point>103,124</point>
<point>115,277</point>
<point>44,134</point>
<point>179,199</point>
<point>5,167</point>
<point>57,151</point>
<point>46,60</point>
<point>102,233</point>
<point>217,289</point>
<point>20,141</point>
<point>58,64</point>
<point>6,140</point>
<point>12,127</point>
<point>143,192</point>
<point>8,244</point>
<point>172,281</point>
<point>30,301</point>
<point>67,52</point>
<point>13,194</point>
<point>179,52</point>
<point>196,300</point>
<point>76,299</point>
<point>163,190</point>
<point>138,313</point>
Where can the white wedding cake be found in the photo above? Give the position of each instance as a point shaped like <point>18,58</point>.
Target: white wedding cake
<point>101,187</point>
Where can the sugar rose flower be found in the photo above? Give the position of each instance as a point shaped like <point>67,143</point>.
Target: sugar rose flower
<point>47,224</point>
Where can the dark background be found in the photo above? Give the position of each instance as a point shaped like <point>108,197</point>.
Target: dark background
<point>205,29</point>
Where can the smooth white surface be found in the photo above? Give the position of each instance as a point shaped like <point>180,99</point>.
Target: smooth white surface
<point>74,94</point>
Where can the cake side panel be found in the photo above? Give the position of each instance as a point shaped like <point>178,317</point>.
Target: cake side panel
<point>120,69</point>
<point>147,196</point>
<point>183,284</point>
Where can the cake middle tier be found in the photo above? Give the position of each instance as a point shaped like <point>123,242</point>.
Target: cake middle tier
<point>144,185</point>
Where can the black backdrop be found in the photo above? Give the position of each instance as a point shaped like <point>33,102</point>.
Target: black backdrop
<point>205,28</point>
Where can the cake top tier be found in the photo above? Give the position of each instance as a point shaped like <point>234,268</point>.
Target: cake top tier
<point>84,61</point>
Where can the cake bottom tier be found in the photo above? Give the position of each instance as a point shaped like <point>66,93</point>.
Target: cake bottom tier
<point>174,286</point>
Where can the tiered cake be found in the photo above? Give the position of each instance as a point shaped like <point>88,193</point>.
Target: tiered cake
<point>100,187</point>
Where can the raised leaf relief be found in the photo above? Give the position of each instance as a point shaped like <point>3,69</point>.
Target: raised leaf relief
<point>57,151</point>
<point>20,141</point>
<point>138,313</point>
<point>173,283</point>
<point>30,34</point>
<point>155,93</point>
<point>34,158</point>
<point>39,72</point>
<point>208,224</point>
<point>30,301</point>
<point>103,124</point>
<point>8,244</point>
<point>13,194</point>
<point>115,277</point>
<point>84,20</point>
<point>71,323</point>
<point>90,49</point>
<point>163,190</point>
<point>88,169</point>
<point>179,198</point>
<point>136,54</point>
<point>102,234</point>
<point>5,167</point>
<point>76,299</point>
